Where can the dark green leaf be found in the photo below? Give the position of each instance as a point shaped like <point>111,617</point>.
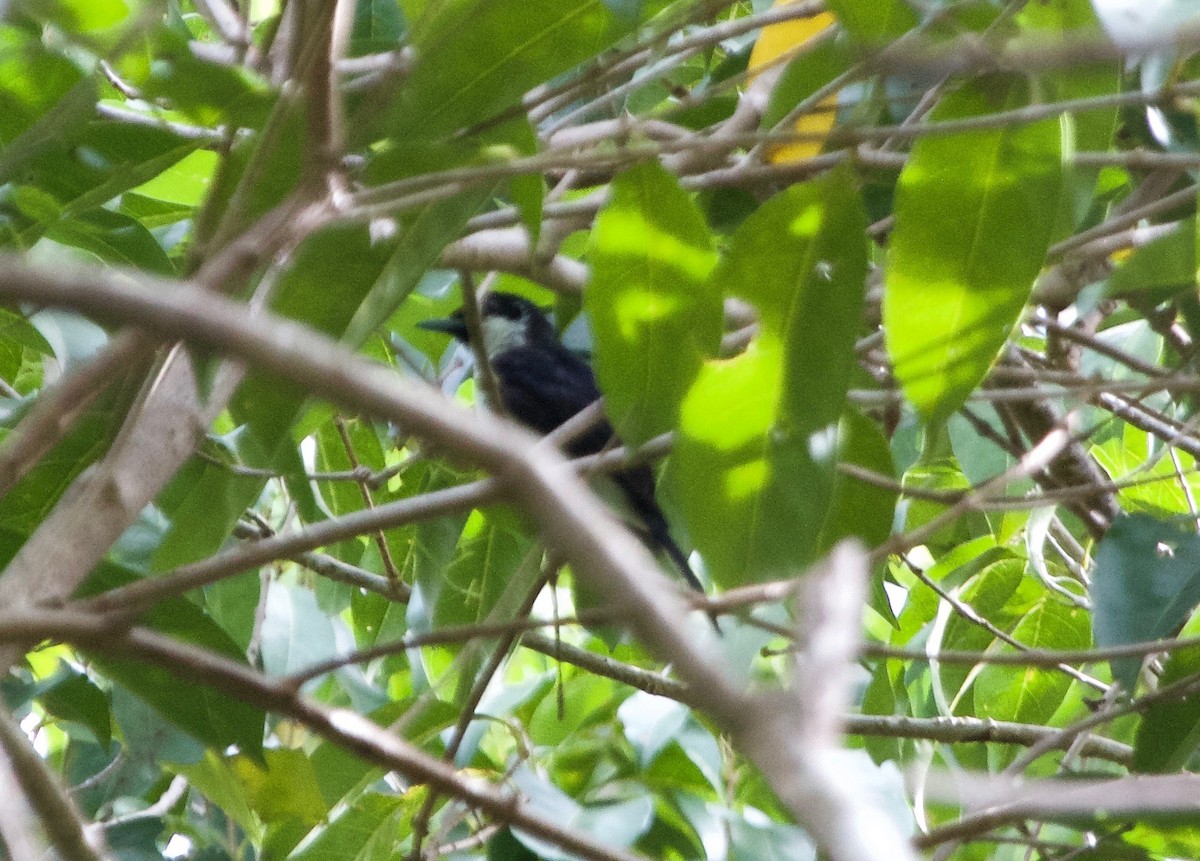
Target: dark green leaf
<point>476,58</point>
<point>1169,733</point>
<point>211,717</point>
<point>76,698</point>
<point>31,498</point>
<point>378,26</point>
<point>212,503</point>
<point>860,508</point>
<point>16,329</point>
<point>114,238</point>
<point>1147,581</point>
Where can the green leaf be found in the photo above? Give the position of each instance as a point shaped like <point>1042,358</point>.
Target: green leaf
<point>1147,581</point>
<point>803,76</point>
<point>651,723</point>
<point>32,81</point>
<point>753,464</point>
<point>333,271</point>
<point>209,716</point>
<point>617,824</point>
<point>54,128</point>
<point>114,238</point>
<point>378,26</point>
<point>369,828</point>
<point>874,22</point>
<point>85,16</point>
<point>587,700</point>
<point>423,234</point>
<point>974,215</point>
<point>1159,268</point>
<point>214,777</point>
<point>295,633</point>
<point>654,315</point>
<point>73,696</point>
<point>1063,22</point>
<point>284,787</point>
<point>16,329</point>
<point>343,497</point>
<point>1169,733</point>
<point>423,552</point>
<point>857,507</point>
<point>185,182</point>
<point>1000,592</point>
<point>208,92</point>
<point>489,552</point>
<point>107,158</point>
<point>31,498</point>
<point>1032,694</point>
<point>491,574</point>
<point>212,501</point>
<point>476,58</point>
<point>344,257</point>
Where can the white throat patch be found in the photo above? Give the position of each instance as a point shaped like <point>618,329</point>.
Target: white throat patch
<point>500,334</point>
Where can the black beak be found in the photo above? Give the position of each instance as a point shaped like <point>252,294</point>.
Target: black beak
<point>455,326</point>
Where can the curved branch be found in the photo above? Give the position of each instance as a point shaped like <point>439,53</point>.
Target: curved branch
<point>573,521</point>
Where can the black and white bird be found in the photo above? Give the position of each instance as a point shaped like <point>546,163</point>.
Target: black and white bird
<point>543,384</point>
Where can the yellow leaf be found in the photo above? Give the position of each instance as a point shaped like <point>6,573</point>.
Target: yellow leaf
<point>776,41</point>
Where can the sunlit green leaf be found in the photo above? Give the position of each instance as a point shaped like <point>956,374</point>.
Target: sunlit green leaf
<point>754,463</point>
<point>1033,694</point>
<point>974,215</point>
<point>654,314</point>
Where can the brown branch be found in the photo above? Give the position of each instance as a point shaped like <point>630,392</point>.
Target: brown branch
<point>48,797</point>
<point>286,546</point>
<point>508,250</point>
<point>485,374</point>
<point>573,521</point>
<point>1052,799</point>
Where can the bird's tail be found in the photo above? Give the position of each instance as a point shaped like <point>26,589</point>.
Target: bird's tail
<point>668,546</point>
<point>680,560</point>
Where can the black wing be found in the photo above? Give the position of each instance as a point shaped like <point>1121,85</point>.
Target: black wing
<point>543,386</point>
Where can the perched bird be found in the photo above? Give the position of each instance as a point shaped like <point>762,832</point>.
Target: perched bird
<point>543,384</point>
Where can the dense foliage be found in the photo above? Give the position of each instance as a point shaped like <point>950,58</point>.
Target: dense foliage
<point>899,298</point>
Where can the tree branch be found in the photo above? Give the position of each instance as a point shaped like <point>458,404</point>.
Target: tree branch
<point>574,523</point>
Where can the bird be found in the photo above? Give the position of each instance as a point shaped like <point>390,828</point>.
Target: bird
<point>542,384</point>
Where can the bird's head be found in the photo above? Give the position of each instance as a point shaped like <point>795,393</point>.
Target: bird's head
<point>508,321</point>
